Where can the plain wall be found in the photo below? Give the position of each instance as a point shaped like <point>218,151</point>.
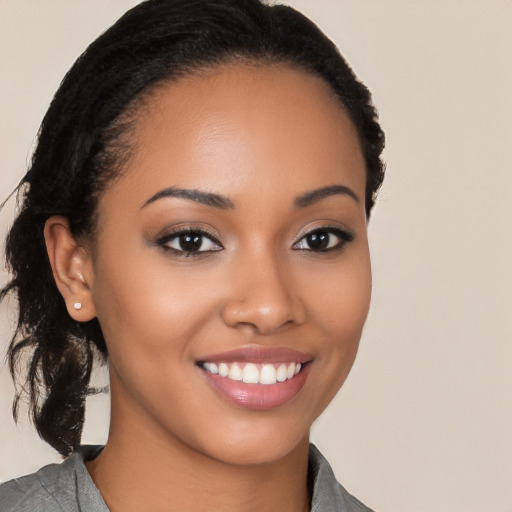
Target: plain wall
<point>424,422</point>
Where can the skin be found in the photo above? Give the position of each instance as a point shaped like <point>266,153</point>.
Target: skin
<point>261,136</point>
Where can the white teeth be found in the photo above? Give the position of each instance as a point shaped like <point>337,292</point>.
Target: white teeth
<point>268,374</point>
<point>252,373</point>
<point>223,369</point>
<point>282,373</point>
<point>235,373</point>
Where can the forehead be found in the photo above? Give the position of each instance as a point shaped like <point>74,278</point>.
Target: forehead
<point>239,127</point>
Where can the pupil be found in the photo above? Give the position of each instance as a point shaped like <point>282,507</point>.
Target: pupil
<point>319,240</point>
<point>191,242</point>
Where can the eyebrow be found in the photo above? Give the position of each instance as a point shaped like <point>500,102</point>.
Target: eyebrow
<point>309,198</point>
<point>206,198</point>
<point>223,203</point>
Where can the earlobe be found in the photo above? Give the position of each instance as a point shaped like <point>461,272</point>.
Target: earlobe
<point>71,267</point>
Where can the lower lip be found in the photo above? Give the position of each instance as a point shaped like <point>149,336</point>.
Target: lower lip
<point>258,396</point>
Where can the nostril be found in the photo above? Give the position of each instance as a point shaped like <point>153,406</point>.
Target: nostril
<point>262,296</point>
<point>261,319</point>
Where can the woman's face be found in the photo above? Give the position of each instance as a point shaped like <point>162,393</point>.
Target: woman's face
<point>234,242</point>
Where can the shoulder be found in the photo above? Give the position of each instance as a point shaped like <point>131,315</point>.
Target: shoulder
<point>328,494</point>
<point>32,492</point>
<point>52,489</point>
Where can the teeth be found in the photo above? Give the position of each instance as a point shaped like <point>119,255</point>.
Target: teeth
<point>268,374</point>
<point>251,373</point>
<point>282,373</point>
<point>223,369</point>
<point>235,373</point>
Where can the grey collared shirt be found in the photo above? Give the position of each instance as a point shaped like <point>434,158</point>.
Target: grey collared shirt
<point>67,487</point>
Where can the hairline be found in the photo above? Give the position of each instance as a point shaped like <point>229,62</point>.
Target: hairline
<point>129,117</point>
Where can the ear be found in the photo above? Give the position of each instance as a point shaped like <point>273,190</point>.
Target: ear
<point>72,268</point>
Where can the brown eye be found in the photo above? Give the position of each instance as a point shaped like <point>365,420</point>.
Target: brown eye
<point>319,241</point>
<point>189,242</point>
<point>323,240</point>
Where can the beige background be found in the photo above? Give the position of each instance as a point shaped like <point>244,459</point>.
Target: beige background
<point>424,423</point>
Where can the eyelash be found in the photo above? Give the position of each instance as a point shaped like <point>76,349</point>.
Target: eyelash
<point>200,235</point>
<point>343,236</point>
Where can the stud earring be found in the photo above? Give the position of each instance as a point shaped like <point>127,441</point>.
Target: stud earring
<point>77,305</point>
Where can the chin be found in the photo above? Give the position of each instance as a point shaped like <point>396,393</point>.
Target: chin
<point>259,440</point>
<point>251,451</point>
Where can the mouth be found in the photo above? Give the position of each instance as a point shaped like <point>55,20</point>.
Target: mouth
<point>254,373</point>
<point>257,377</point>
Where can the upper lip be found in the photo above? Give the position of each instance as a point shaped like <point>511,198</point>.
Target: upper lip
<point>259,354</point>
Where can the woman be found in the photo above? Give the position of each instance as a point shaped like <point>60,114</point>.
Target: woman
<point>196,211</point>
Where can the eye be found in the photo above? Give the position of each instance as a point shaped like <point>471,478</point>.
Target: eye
<point>323,240</point>
<point>189,242</point>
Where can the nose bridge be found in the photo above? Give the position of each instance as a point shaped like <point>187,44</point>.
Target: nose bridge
<point>262,293</point>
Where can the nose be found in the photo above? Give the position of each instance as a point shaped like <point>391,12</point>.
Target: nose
<point>263,297</point>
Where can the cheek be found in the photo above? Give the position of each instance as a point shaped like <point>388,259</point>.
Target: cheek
<point>340,311</point>
<point>149,326</point>
<point>341,297</point>
<point>150,308</point>
<point>346,307</point>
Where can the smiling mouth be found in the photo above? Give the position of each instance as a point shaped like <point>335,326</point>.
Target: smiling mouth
<point>254,373</point>
<point>257,377</point>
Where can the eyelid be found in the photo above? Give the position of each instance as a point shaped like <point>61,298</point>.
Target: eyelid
<point>344,234</point>
<point>161,241</point>
<point>187,229</point>
<point>325,227</point>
